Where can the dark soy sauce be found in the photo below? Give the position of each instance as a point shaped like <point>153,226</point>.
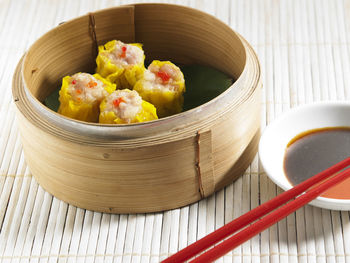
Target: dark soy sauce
<point>315,150</point>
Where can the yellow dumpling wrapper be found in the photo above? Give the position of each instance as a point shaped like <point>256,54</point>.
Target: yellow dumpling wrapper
<point>167,102</point>
<point>124,77</point>
<point>147,113</point>
<point>81,110</point>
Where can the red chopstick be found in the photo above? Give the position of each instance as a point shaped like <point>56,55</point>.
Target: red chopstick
<point>242,236</point>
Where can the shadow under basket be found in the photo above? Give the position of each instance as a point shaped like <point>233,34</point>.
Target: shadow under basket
<point>150,166</point>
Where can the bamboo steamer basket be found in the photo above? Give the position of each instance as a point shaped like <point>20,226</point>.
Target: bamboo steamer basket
<point>145,167</point>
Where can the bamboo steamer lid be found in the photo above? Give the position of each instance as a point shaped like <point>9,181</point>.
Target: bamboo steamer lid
<point>151,166</point>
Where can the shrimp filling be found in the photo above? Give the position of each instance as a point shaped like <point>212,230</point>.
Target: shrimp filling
<point>125,104</point>
<point>84,87</point>
<point>162,78</point>
<point>124,55</point>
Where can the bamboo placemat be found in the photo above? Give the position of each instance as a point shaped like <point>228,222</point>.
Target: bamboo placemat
<point>303,47</point>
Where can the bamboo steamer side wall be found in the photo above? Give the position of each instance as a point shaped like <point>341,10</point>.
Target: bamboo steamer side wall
<point>55,55</point>
<point>110,179</point>
<point>235,142</point>
<point>186,36</point>
<point>71,48</point>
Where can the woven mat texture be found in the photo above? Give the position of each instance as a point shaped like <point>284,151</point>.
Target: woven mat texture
<point>303,48</point>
